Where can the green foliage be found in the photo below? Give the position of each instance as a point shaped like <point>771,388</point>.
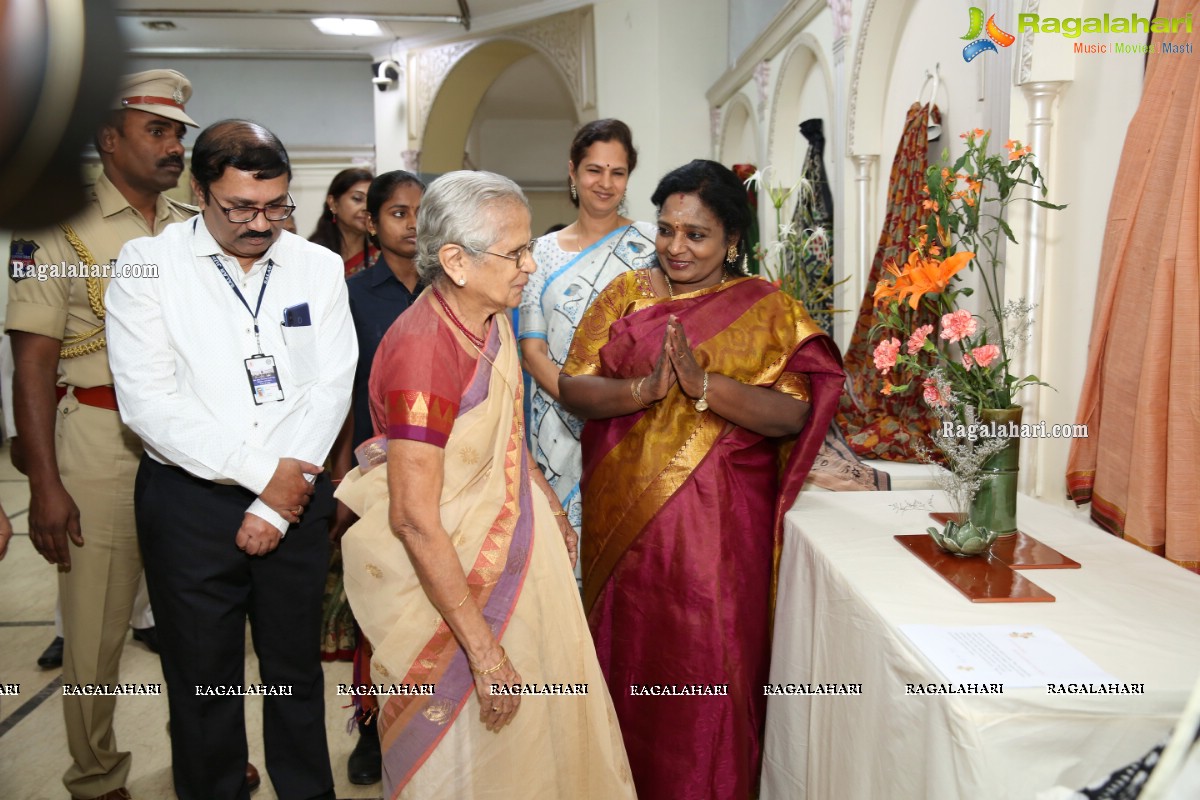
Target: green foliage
<point>968,205</point>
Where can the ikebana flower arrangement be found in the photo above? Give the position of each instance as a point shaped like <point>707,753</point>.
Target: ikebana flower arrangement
<point>967,204</point>
<point>964,361</point>
<point>962,482</point>
<point>783,261</point>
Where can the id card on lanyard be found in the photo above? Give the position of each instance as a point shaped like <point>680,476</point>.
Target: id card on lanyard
<point>260,368</point>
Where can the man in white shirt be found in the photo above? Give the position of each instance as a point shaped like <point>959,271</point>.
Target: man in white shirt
<point>234,366</point>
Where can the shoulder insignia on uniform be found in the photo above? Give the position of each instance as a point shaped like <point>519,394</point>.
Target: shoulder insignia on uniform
<point>21,264</point>
<point>188,207</point>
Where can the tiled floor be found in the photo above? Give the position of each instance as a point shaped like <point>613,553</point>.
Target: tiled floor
<point>33,754</point>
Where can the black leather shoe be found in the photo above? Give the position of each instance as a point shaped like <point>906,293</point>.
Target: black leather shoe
<point>148,637</point>
<point>51,657</point>
<point>365,765</point>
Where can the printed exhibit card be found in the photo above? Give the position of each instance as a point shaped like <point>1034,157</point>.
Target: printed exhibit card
<point>1018,656</point>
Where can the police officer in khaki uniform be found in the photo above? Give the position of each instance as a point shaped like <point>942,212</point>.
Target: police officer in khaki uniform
<point>81,460</point>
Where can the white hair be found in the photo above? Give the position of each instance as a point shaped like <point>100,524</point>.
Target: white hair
<point>458,209</point>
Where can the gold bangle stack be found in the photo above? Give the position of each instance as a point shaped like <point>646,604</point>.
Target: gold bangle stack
<point>559,513</point>
<point>502,662</point>
<point>635,388</point>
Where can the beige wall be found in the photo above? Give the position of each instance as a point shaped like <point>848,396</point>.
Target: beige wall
<point>654,61</point>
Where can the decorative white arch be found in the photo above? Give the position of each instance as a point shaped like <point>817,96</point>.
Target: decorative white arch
<point>738,115</point>
<point>803,55</point>
<point>875,51</point>
<point>567,41</point>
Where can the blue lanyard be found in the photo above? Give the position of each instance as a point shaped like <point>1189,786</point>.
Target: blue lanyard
<point>240,296</point>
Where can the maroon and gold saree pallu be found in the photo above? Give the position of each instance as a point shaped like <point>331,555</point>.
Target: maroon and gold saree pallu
<point>744,329</point>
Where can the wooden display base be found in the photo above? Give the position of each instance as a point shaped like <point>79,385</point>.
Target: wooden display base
<point>981,579</point>
<point>1019,551</point>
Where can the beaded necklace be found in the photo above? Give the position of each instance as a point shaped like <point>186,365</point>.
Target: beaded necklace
<point>475,340</point>
<point>479,346</point>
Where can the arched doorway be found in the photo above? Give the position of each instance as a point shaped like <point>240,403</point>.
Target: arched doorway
<point>505,107</point>
<point>739,135</point>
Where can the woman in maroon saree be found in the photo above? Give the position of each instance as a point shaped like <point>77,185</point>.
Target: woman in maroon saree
<point>708,394</point>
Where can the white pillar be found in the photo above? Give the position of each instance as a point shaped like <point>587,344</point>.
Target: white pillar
<point>865,249</point>
<point>835,156</point>
<point>1040,96</point>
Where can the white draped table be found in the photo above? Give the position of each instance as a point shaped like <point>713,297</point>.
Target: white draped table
<point>845,587</point>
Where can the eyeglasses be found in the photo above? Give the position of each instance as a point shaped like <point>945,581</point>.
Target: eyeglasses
<point>522,251</point>
<point>240,215</point>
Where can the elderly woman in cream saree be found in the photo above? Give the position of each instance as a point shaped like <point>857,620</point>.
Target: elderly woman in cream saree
<point>459,570</point>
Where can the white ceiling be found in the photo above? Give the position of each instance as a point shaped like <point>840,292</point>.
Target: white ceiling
<point>277,26</point>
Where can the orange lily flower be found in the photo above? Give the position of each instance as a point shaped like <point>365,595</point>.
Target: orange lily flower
<point>943,237</point>
<point>919,277</point>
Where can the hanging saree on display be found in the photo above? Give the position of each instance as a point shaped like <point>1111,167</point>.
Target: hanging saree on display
<point>879,426</point>
<point>813,222</point>
<point>1138,464</point>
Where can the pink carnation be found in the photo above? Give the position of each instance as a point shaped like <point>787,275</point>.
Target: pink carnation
<point>958,325</point>
<point>932,396</point>
<point>985,355</point>
<point>885,354</point>
<point>917,340</point>
<point>967,363</point>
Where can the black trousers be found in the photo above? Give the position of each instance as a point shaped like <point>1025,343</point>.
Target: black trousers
<point>202,589</point>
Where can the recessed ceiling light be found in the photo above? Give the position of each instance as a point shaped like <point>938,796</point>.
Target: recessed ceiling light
<point>160,25</point>
<point>347,26</point>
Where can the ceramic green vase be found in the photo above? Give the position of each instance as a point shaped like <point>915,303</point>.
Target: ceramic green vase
<point>995,506</point>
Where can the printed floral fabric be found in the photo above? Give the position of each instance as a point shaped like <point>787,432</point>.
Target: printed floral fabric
<point>879,426</point>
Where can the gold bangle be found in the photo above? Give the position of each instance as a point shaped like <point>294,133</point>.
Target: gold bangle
<point>635,388</point>
<point>559,513</point>
<point>503,661</point>
<point>462,602</point>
